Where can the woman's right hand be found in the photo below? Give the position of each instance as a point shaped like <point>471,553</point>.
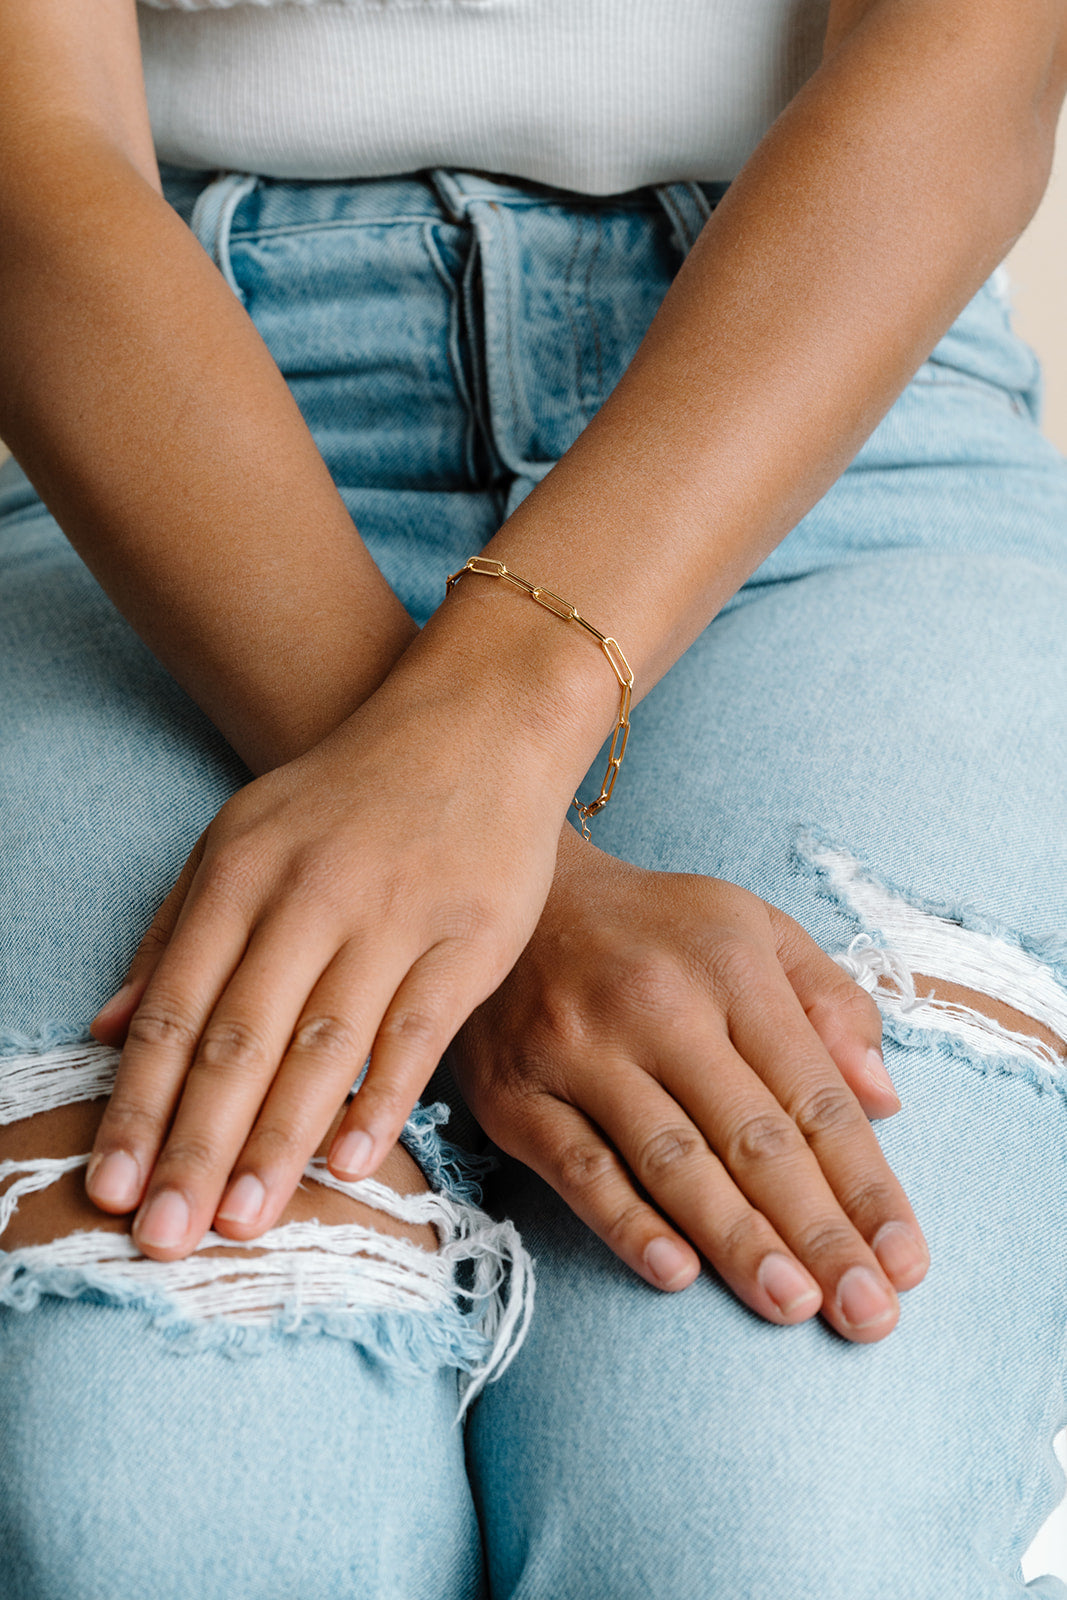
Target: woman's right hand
<point>670,1046</point>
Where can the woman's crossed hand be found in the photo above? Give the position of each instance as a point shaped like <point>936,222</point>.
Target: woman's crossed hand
<point>359,901</point>
<point>671,1047</point>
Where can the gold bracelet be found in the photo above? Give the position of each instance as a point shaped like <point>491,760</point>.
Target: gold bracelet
<point>561,608</point>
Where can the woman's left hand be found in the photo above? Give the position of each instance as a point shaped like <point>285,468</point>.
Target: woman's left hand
<point>694,1076</point>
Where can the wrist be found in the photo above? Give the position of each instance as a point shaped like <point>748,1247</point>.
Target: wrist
<point>538,678</point>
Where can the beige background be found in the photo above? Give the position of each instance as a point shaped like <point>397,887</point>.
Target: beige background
<point>1038,267</point>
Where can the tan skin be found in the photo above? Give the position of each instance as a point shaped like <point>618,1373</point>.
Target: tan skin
<point>308,927</point>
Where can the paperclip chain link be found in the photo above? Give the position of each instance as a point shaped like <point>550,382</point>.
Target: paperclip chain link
<point>484,567</point>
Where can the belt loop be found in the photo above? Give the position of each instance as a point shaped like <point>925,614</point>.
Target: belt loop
<point>687,208</point>
<point>450,195</point>
<point>213,216</point>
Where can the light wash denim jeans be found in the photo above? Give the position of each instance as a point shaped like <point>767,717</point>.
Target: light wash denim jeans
<point>873,735</point>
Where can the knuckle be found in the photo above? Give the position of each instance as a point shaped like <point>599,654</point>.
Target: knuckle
<point>824,1239</point>
<point>666,1152</point>
<point>274,1144</point>
<point>874,1201</point>
<point>738,965</point>
<point>155,940</point>
<point>584,1168</point>
<point>650,983</point>
<point>326,1036</point>
<point>828,1110</point>
<point>159,1026</point>
<point>187,1155</point>
<point>560,1029</point>
<point>855,1006</point>
<point>746,1237</point>
<point>230,874</point>
<point>471,923</point>
<point>766,1136</point>
<point>412,1030</point>
<point>230,1044</point>
<point>311,876</point>
<point>129,1125</point>
<point>624,1227</point>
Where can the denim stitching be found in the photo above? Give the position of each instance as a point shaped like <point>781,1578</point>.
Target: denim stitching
<point>572,319</point>
<point>455,354</point>
<point>594,324</point>
<point>341,225</point>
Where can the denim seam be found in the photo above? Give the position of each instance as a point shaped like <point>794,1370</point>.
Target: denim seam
<point>474,326</point>
<point>340,226</point>
<point>455,356</point>
<point>940,375</point>
<point>590,304</point>
<point>572,314</point>
<point>499,301</point>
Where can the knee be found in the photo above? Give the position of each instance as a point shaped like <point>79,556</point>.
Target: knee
<point>61,1448</point>
<point>130,1470</point>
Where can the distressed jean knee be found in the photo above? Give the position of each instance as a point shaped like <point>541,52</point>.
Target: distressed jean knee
<point>465,1305</point>
<point>950,974</point>
<point>313,1469</point>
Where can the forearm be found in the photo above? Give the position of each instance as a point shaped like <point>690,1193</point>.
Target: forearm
<point>868,216</point>
<point>142,403</point>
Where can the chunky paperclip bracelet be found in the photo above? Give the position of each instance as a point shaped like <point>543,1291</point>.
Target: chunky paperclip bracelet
<point>486,568</point>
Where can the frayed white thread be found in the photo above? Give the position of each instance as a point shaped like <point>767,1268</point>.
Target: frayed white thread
<point>467,1304</point>
<point>925,943</point>
<point>63,1075</point>
<point>39,1174</point>
<point>874,968</point>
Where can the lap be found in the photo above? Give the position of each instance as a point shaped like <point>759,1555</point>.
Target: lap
<point>871,734</point>
<point>302,1470</point>
<point>879,749</point>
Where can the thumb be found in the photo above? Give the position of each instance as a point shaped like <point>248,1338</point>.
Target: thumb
<point>113,1019</point>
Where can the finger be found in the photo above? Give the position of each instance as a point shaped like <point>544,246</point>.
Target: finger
<point>564,1147</point>
<point>427,1011</point>
<point>206,946</point>
<point>843,1015</point>
<point>849,1189</point>
<point>329,1045</point>
<point>670,1159</point>
<point>767,1157</point>
<point>241,1043</point>
<point>112,1021</point>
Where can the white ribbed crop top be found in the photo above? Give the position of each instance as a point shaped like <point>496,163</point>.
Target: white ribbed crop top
<point>594,95</point>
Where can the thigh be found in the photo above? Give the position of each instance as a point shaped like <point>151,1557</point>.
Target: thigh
<point>109,774</point>
<point>879,748</point>
<point>282,1421</point>
<point>305,1469</point>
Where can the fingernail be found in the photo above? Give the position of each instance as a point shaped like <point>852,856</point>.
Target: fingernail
<point>352,1154</point>
<point>165,1222</point>
<point>901,1253</point>
<point>668,1264</point>
<point>114,1180</point>
<point>863,1301</point>
<point>878,1076</point>
<point>786,1283</point>
<point>244,1201</point>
